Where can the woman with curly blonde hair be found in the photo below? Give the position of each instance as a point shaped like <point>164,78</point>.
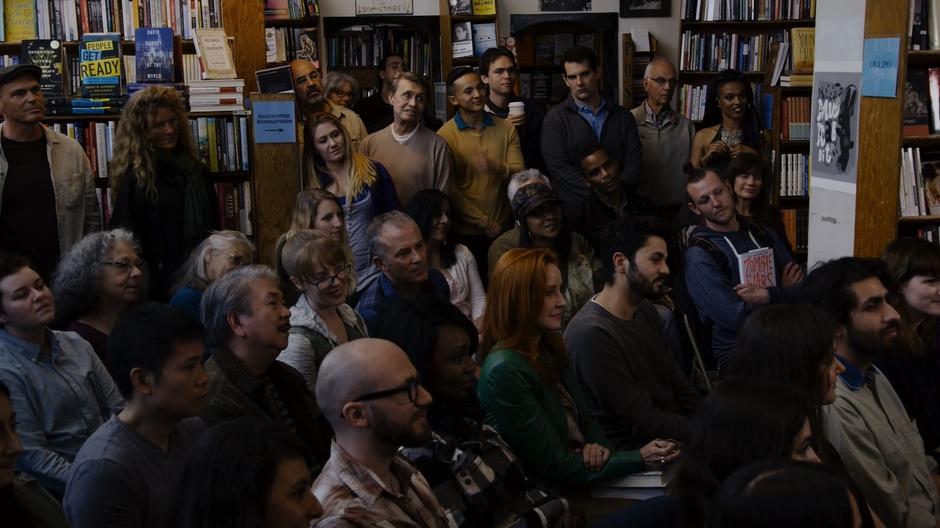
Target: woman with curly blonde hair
<point>528,388</point>
<point>363,186</point>
<point>159,189</point>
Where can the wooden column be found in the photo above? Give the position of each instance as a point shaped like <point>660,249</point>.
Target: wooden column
<point>276,182</point>
<point>244,20</point>
<point>879,137</point>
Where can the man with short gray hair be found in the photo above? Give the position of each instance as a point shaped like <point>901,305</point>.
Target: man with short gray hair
<point>400,254</point>
<point>247,324</point>
<point>666,136</point>
<point>416,157</point>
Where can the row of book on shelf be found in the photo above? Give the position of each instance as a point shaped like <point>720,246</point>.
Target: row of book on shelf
<point>275,10</point>
<point>923,25</point>
<point>98,78</point>
<point>795,117</point>
<point>794,175</point>
<point>747,10</point>
<point>472,38</point>
<point>921,108</point>
<point>546,50</point>
<point>919,190</point>
<point>70,19</point>
<point>721,51</point>
<point>234,205</point>
<point>796,226</point>
<point>472,7</point>
<point>365,46</point>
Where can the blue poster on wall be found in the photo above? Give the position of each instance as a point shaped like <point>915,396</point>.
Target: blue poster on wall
<point>880,67</point>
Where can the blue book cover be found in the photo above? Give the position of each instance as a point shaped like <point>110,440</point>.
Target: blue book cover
<point>153,48</point>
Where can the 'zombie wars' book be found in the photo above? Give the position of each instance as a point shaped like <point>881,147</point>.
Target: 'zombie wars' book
<point>99,56</point>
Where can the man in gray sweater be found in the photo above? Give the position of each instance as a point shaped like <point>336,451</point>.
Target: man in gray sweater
<point>617,342</point>
<point>584,118</point>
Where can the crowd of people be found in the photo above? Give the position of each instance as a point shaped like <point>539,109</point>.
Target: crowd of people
<point>468,323</point>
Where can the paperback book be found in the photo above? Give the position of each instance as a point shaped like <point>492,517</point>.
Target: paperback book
<point>47,54</point>
<point>99,56</point>
<point>154,53</point>
<point>215,54</point>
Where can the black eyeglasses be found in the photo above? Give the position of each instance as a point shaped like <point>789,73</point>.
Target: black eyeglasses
<point>411,387</point>
<point>329,280</point>
<point>661,81</point>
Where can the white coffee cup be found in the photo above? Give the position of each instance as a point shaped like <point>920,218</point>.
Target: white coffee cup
<point>516,108</point>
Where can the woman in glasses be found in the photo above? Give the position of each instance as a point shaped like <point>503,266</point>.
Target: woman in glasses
<point>160,192</point>
<point>217,255</point>
<point>316,266</point>
<point>95,281</point>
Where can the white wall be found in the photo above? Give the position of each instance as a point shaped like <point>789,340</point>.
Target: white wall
<point>665,29</point>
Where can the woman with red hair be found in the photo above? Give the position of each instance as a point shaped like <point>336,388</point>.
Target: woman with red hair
<point>527,386</point>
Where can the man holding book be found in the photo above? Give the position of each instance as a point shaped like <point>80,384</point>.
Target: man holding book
<point>308,89</point>
<point>48,199</point>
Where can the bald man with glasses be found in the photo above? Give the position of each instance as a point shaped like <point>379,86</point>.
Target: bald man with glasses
<point>666,136</point>
<point>370,392</point>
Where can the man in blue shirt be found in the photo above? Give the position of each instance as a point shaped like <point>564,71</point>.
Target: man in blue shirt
<point>61,392</point>
<point>587,117</point>
<point>399,252</point>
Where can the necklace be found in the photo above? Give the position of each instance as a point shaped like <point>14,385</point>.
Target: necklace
<point>731,137</point>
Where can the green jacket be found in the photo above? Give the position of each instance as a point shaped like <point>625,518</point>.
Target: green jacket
<point>531,418</point>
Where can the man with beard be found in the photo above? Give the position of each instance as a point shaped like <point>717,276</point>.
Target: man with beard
<point>308,90</point>
<point>712,273</point>
<point>371,395</point>
<point>867,424</point>
<point>400,254</point>
<point>618,342</point>
<point>247,324</point>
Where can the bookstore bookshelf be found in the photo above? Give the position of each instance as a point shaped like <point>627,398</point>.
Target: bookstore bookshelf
<point>758,41</point>
<point>292,30</point>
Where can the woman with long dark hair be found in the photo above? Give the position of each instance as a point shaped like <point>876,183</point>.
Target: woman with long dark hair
<point>431,210</point>
<point>247,474</point>
<point>743,420</point>
<point>750,179</point>
<point>731,124</point>
<point>528,388</point>
<point>914,270</point>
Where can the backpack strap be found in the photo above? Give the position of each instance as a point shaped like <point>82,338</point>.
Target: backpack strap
<point>714,251</point>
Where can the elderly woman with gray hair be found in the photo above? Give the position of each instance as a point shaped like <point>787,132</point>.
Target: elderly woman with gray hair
<point>95,281</point>
<point>341,89</point>
<point>215,256</point>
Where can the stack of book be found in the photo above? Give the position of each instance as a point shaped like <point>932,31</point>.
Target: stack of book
<point>101,77</point>
<point>637,486</point>
<point>221,95</point>
<point>802,53</point>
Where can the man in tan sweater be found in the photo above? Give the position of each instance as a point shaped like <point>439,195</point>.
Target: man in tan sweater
<point>415,157</point>
<point>486,153</point>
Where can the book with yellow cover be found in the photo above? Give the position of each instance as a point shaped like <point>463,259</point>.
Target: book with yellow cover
<point>802,49</point>
<point>484,7</point>
<point>19,20</point>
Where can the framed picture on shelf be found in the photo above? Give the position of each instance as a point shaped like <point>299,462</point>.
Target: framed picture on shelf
<point>384,7</point>
<point>644,8</point>
<point>564,5</point>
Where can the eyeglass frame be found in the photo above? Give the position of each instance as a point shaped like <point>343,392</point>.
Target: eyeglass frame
<point>662,81</point>
<point>344,270</point>
<point>411,387</point>
<point>124,267</point>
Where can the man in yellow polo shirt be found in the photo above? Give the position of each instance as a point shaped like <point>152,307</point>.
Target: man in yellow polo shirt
<point>486,153</point>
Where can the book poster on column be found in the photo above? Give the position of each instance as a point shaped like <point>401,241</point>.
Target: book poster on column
<point>834,135</point>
